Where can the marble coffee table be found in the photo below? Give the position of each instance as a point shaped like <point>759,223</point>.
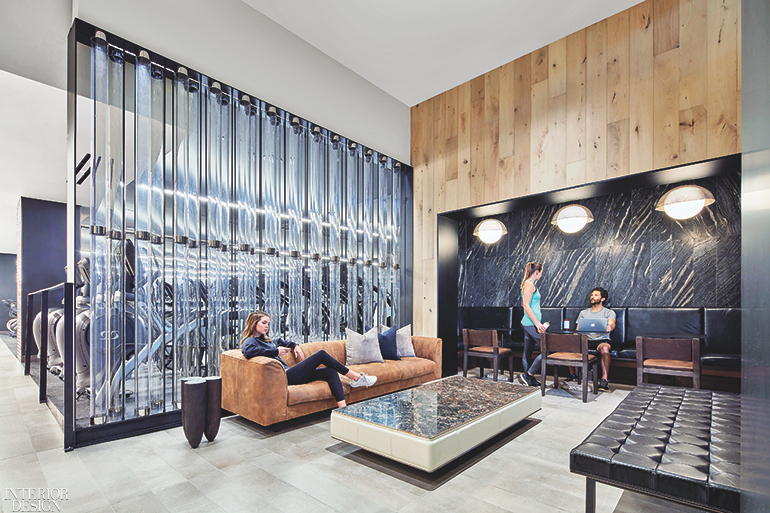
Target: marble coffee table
<point>430,425</point>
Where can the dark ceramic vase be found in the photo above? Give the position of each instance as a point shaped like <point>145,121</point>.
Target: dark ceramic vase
<point>213,407</point>
<point>193,409</point>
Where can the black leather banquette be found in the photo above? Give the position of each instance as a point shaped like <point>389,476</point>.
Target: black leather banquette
<point>721,327</point>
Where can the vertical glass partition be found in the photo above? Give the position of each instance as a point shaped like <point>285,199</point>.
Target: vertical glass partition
<point>205,205</point>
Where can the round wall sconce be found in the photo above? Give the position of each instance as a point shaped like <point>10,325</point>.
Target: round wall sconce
<point>490,231</point>
<point>572,218</point>
<point>685,201</point>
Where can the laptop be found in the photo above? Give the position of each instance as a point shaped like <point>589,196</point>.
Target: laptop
<point>592,325</point>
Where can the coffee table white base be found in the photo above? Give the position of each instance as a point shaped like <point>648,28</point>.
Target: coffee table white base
<point>430,454</point>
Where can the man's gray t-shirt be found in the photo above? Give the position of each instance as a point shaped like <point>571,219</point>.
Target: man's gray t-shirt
<point>604,313</point>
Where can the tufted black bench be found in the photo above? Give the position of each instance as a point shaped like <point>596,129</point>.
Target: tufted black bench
<point>678,444</point>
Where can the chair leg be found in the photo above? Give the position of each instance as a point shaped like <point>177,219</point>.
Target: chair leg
<point>596,378</point>
<point>465,363</point>
<point>639,375</point>
<point>510,369</point>
<point>482,361</point>
<point>543,374</point>
<point>495,366</point>
<point>696,382</point>
<point>585,381</point>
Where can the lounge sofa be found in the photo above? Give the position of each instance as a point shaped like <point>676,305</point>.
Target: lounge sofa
<point>257,390</point>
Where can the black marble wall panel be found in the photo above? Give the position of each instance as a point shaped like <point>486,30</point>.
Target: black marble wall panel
<point>640,255</point>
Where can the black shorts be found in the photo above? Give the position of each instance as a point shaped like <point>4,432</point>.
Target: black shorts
<point>594,344</point>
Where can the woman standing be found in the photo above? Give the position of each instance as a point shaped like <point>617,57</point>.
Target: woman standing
<point>531,322</point>
<point>255,342</point>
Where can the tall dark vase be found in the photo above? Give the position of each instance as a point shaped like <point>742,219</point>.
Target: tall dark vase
<point>193,409</point>
<point>213,406</point>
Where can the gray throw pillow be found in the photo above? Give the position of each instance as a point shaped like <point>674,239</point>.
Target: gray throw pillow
<point>362,348</point>
<point>404,346</point>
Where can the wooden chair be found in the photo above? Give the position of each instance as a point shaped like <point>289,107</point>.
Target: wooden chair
<point>668,356</point>
<point>567,350</point>
<point>485,344</point>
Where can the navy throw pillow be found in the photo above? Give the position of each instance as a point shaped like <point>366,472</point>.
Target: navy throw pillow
<point>388,346</point>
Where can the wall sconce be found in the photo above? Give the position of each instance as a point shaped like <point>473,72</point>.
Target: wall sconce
<point>685,201</point>
<point>572,218</point>
<point>490,231</point>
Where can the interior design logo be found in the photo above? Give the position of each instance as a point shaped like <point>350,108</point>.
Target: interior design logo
<point>33,499</point>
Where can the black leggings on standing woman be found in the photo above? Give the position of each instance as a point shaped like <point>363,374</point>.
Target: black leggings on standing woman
<point>307,370</point>
<point>531,338</point>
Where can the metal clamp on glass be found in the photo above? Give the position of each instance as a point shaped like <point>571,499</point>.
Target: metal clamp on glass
<point>192,243</point>
<point>215,244</point>
<point>116,234</point>
<point>156,239</point>
<point>98,230</point>
<point>396,266</point>
<point>335,259</point>
<point>142,235</point>
<point>315,257</point>
<point>294,254</point>
<point>244,248</point>
<point>368,263</point>
<point>180,239</point>
<point>271,251</point>
<point>351,261</point>
<point>383,265</point>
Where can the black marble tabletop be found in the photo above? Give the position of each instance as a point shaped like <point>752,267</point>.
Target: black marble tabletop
<point>432,409</point>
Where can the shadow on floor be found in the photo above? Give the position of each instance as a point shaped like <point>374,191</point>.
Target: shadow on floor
<point>432,481</point>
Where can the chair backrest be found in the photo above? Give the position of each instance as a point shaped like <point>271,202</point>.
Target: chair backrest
<point>558,342</point>
<point>553,315</point>
<point>480,338</point>
<point>666,348</point>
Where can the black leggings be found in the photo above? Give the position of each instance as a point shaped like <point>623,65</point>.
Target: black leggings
<point>307,370</point>
<point>531,339</point>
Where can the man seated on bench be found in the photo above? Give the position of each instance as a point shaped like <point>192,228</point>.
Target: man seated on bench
<point>600,341</point>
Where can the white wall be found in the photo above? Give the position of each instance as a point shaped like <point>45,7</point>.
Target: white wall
<point>233,43</point>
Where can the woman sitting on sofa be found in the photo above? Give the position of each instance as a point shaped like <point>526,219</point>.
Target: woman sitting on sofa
<point>255,342</point>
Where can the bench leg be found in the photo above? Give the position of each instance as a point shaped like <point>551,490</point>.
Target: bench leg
<point>590,495</point>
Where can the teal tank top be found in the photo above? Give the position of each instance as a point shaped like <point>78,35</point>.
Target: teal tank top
<point>534,305</point>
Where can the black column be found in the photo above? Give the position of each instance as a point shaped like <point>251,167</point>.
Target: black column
<point>448,275</point>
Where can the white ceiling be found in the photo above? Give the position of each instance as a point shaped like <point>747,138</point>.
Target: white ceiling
<point>416,49</point>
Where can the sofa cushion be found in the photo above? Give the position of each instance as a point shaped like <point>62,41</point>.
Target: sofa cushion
<point>313,391</point>
<point>647,321</point>
<point>385,372</point>
<point>404,343</point>
<point>388,346</point>
<point>362,349</point>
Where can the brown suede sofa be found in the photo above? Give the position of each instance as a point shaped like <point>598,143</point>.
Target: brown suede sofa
<point>257,390</point>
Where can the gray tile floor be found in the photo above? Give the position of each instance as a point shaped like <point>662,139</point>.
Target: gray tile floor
<point>300,468</point>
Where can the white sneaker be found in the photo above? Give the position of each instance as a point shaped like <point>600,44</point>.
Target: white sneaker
<point>364,381</point>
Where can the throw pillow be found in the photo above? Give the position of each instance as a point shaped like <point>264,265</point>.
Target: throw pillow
<point>388,346</point>
<point>404,346</point>
<point>362,348</point>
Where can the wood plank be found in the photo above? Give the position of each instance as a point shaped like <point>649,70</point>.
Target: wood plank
<point>451,113</point>
<point>539,60</point>
<point>618,66</point>
<point>576,96</point>
<point>439,161</point>
<point>464,145</point>
<point>693,134</point>
<point>430,299</point>
<point>665,25</point>
<point>505,174</point>
<point>641,88</point>
<point>666,109</point>
<point>596,102</point>
<point>522,124</point>
<point>693,54</point>
<point>415,124</point>
<point>492,135</point>
<point>417,278</point>
<point>557,142</point>
<point>576,173</point>
<point>539,138</point>
<point>477,88</point>
<point>618,148</point>
<point>478,128</point>
<point>450,163</point>
<point>723,77</point>
<point>507,80</point>
<point>451,194</point>
<point>557,68</point>
<point>428,200</point>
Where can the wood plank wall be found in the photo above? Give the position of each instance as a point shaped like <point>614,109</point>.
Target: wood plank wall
<point>654,86</point>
